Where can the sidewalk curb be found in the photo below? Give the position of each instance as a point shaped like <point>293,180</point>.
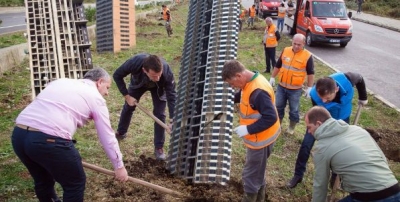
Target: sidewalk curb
<point>376,24</point>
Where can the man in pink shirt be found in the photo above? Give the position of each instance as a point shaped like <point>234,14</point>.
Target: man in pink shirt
<point>42,137</point>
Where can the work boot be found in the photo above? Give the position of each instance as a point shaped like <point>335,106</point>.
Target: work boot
<point>249,197</point>
<point>159,153</point>
<point>261,194</point>
<point>119,136</point>
<point>294,181</point>
<point>290,130</point>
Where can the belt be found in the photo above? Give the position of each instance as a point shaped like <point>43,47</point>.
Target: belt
<point>379,195</point>
<point>28,128</point>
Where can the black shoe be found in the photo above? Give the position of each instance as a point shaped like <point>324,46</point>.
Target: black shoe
<point>120,137</point>
<point>267,71</point>
<point>294,181</point>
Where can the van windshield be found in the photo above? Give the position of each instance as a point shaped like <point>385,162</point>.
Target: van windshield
<point>329,9</point>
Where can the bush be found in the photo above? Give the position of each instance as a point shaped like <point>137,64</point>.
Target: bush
<point>90,14</point>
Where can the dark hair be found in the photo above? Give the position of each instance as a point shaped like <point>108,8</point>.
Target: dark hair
<point>317,113</point>
<point>152,62</point>
<point>325,86</point>
<point>231,68</point>
<point>282,4</point>
<point>96,74</point>
<point>163,6</point>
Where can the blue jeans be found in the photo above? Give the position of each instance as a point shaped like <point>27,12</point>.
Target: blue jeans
<point>280,23</point>
<point>284,95</point>
<point>50,159</point>
<point>304,153</point>
<point>393,198</point>
<point>159,105</point>
<point>269,57</point>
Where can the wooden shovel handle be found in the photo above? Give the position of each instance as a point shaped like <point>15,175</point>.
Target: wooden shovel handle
<point>134,180</point>
<point>154,117</point>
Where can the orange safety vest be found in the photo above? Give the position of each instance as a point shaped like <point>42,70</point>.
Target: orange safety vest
<point>248,115</point>
<point>281,12</point>
<point>270,37</point>
<point>165,16</point>
<point>293,71</point>
<point>252,12</point>
<point>243,14</point>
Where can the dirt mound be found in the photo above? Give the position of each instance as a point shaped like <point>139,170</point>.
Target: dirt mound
<point>388,141</point>
<point>153,171</point>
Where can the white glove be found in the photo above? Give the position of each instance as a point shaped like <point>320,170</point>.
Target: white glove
<point>362,102</point>
<point>272,81</point>
<point>241,130</point>
<point>308,92</point>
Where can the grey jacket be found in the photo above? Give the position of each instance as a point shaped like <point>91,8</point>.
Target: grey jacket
<point>350,152</point>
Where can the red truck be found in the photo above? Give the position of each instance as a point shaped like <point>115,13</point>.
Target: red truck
<point>321,21</point>
<point>267,7</point>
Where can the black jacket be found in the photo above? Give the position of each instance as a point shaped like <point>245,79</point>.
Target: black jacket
<point>133,66</point>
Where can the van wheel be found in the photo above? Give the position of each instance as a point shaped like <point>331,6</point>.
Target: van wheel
<point>343,44</point>
<point>309,40</point>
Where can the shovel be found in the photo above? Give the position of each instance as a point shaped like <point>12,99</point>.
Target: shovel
<point>154,117</point>
<point>337,180</point>
<point>134,180</point>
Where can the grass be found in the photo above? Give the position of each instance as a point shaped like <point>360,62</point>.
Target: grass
<point>17,185</point>
<point>7,40</point>
<point>385,8</point>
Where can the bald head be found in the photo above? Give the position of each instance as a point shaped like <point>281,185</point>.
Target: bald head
<point>268,21</point>
<point>298,42</point>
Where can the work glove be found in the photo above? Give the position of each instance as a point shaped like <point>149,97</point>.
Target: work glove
<point>362,102</point>
<point>272,81</point>
<point>307,94</point>
<point>241,130</point>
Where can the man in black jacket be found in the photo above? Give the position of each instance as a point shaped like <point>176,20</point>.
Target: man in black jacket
<point>148,73</point>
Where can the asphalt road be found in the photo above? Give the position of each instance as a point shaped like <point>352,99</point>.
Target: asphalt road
<point>12,22</point>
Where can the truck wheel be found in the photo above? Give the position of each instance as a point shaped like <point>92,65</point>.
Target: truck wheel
<point>343,44</point>
<point>309,40</point>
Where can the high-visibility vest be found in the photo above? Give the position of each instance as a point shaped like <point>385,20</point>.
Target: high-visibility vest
<point>165,16</point>
<point>293,72</point>
<point>270,37</point>
<point>242,14</point>
<point>248,115</point>
<point>281,12</point>
<point>252,12</point>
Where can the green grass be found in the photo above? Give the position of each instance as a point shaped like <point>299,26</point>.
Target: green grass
<point>385,8</point>
<point>16,184</point>
<point>11,39</point>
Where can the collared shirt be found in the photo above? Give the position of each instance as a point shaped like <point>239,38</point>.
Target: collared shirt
<point>67,104</point>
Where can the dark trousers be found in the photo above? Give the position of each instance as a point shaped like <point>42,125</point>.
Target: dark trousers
<point>304,153</point>
<point>269,57</point>
<point>159,106</point>
<point>50,159</point>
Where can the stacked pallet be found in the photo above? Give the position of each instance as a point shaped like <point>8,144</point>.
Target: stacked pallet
<point>200,145</point>
<point>58,40</point>
<point>115,25</point>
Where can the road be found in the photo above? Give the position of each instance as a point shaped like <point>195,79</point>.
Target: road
<point>12,22</point>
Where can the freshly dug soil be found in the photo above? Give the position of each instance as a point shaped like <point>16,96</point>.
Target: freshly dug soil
<point>153,171</point>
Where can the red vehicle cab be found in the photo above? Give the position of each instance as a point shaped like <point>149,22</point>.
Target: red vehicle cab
<point>324,21</point>
<point>268,8</point>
